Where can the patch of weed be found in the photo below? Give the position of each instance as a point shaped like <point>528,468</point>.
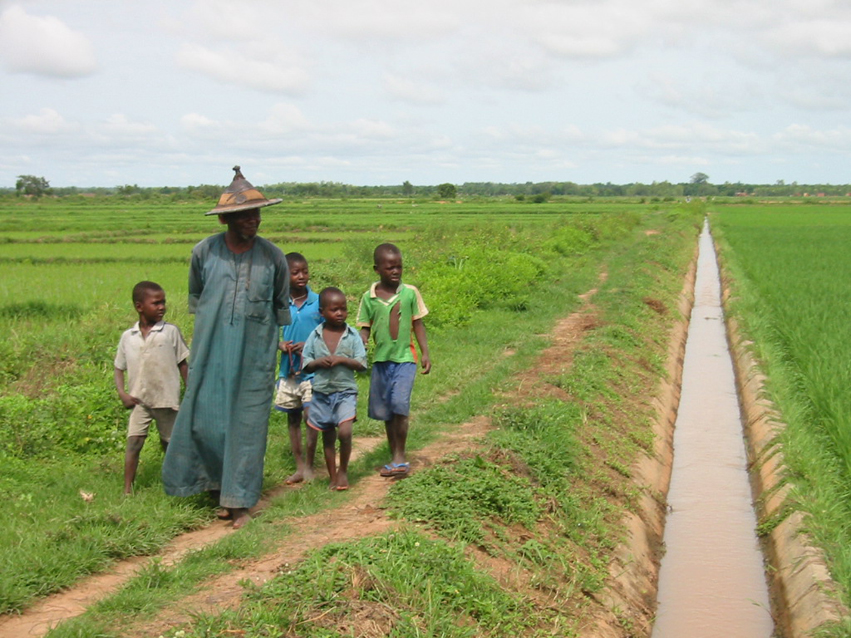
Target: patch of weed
<point>457,496</point>
<point>397,584</point>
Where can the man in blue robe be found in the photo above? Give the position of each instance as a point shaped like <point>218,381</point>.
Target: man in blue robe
<point>239,293</point>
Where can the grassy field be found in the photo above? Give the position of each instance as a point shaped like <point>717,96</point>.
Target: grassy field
<point>496,275</point>
<point>790,267</point>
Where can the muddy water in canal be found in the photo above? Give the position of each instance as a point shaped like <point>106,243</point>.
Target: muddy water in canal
<point>712,582</point>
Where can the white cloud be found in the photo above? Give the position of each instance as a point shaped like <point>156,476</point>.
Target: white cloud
<point>272,74</point>
<point>195,122</point>
<point>283,119</point>
<point>824,38</point>
<point>46,122</point>
<point>118,125</point>
<point>373,129</point>
<point>43,46</point>
<point>369,19</point>
<point>706,96</point>
<point>411,91</point>
<point>802,135</point>
<point>695,135</point>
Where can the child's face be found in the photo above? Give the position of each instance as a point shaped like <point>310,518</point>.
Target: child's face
<point>299,276</point>
<point>152,307</point>
<point>335,311</point>
<point>389,269</point>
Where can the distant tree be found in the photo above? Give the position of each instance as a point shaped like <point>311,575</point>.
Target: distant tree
<point>407,188</point>
<point>447,191</point>
<point>32,185</point>
<point>699,178</point>
<point>127,189</point>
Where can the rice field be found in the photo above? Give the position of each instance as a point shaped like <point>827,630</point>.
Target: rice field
<point>791,268</point>
<point>495,274</point>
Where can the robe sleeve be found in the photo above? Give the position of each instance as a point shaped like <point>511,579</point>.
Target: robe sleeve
<point>196,283</point>
<point>281,291</point>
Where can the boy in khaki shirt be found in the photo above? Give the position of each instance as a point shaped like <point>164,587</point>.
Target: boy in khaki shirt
<point>154,355</point>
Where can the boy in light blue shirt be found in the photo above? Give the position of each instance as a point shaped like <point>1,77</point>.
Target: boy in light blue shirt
<point>295,385</point>
<point>334,351</point>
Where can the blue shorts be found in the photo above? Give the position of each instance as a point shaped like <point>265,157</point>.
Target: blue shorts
<point>327,411</point>
<point>390,389</point>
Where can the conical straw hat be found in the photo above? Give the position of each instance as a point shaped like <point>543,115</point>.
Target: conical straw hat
<point>240,195</point>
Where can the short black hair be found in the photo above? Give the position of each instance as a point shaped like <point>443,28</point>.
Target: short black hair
<point>330,291</point>
<point>141,290</point>
<point>384,249</point>
<point>296,258</point>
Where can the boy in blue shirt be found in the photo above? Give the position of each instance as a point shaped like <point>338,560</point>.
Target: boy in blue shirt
<point>295,384</point>
<point>334,351</point>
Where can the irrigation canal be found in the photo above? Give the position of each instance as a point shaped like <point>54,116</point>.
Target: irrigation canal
<point>712,581</point>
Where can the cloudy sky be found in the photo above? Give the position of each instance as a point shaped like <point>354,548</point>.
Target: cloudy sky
<point>171,92</point>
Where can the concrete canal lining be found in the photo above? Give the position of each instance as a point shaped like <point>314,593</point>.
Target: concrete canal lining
<point>712,580</point>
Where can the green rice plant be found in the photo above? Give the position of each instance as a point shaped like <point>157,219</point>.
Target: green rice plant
<point>789,268</point>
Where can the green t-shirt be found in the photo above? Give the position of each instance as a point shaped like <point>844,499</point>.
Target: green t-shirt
<point>375,313</point>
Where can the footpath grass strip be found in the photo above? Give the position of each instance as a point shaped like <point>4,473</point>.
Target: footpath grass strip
<point>546,495</point>
<point>788,269</point>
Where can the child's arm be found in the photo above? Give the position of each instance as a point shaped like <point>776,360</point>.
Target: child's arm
<point>321,362</point>
<point>422,342</point>
<point>183,367</point>
<point>353,364</point>
<point>364,320</point>
<point>126,399</point>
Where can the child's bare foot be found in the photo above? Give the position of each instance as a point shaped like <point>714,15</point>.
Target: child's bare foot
<point>300,476</point>
<point>240,516</point>
<point>293,479</point>
<point>342,481</point>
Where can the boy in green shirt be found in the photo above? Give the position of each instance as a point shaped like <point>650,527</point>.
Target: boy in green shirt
<point>392,312</point>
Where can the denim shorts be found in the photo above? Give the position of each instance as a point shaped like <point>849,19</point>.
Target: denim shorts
<point>327,411</point>
<point>390,389</point>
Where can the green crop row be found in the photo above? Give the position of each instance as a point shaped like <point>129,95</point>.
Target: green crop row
<point>791,269</point>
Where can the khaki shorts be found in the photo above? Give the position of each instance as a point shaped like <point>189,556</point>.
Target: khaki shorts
<point>293,396</point>
<point>141,417</point>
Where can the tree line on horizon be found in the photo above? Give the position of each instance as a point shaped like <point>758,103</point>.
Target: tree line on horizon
<point>698,186</point>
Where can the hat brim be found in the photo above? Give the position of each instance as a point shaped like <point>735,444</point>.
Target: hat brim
<point>225,210</point>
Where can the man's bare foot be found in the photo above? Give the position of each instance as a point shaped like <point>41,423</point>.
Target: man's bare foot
<point>223,514</point>
<point>240,516</point>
